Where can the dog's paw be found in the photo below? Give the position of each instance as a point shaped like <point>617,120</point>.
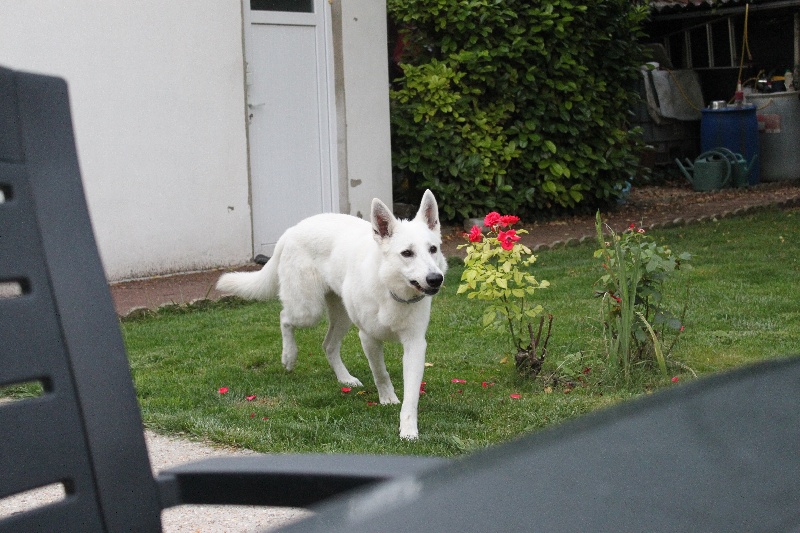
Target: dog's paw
<point>351,382</point>
<point>386,394</point>
<point>409,435</point>
<point>408,424</point>
<point>289,360</point>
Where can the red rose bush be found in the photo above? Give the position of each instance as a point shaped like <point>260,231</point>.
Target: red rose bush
<point>498,271</point>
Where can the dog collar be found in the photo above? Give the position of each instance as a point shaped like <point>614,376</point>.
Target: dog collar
<point>413,300</point>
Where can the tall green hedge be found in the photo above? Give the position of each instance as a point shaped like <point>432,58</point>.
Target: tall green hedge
<point>516,106</point>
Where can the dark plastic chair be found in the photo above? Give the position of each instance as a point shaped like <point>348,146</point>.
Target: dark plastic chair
<point>58,330</point>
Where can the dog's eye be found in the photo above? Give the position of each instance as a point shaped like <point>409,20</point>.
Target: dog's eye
<point>433,249</point>
<point>407,253</point>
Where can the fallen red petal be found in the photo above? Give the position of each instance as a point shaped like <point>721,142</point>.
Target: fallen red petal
<point>372,403</point>
<point>346,389</point>
<point>516,396</point>
<point>456,380</point>
<point>223,390</point>
<point>252,415</point>
<point>250,398</point>
<point>675,379</point>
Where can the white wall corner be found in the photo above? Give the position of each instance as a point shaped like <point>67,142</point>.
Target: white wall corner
<point>158,112</point>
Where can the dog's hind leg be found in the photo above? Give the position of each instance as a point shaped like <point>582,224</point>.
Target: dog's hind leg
<point>297,314</point>
<point>303,298</point>
<point>338,325</point>
<point>289,353</point>
<point>373,349</point>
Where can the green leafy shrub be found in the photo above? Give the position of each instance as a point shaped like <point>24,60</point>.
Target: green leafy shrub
<point>516,106</point>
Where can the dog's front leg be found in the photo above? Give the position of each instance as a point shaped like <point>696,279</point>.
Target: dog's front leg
<point>413,370</point>
<point>373,349</point>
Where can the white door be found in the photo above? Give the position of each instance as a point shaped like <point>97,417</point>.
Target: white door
<point>290,105</point>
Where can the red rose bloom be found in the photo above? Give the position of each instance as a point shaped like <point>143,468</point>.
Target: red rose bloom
<point>508,220</point>
<point>475,234</point>
<point>507,239</point>
<point>492,219</point>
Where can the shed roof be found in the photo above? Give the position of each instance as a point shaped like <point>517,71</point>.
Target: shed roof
<point>693,8</point>
<point>679,4</point>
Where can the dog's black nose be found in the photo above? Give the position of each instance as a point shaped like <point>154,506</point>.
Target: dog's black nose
<point>434,280</point>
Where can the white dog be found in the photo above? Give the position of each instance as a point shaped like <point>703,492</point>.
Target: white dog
<point>374,276</point>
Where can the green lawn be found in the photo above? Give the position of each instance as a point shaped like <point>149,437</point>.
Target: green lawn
<point>743,307</point>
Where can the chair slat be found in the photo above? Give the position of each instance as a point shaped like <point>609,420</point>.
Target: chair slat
<point>52,453</point>
<point>30,343</point>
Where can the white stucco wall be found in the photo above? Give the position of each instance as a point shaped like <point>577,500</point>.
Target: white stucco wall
<point>363,59</point>
<point>157,93</point>
<point>158,105</point>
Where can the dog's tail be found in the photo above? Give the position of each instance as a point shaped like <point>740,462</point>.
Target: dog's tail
<point>260,285</point>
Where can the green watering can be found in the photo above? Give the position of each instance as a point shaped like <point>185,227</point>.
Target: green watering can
<point>740,170</point>
<point>710,171</point>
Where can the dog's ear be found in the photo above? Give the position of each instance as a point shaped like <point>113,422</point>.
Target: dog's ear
<point>429,211</point>
<point>383,220</point>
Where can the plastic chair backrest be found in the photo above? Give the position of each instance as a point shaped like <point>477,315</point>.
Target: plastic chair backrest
<point>59,334</point>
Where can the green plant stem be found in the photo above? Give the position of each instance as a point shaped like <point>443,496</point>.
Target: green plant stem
<point>510,323</point>
<point>656,345</point>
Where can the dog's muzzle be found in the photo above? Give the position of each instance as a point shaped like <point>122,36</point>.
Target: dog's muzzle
<point>433,280</point>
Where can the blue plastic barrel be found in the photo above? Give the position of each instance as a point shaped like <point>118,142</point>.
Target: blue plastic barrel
<point>734,128</point>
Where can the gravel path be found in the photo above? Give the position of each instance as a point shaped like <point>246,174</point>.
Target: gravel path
<point>166,452</point>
